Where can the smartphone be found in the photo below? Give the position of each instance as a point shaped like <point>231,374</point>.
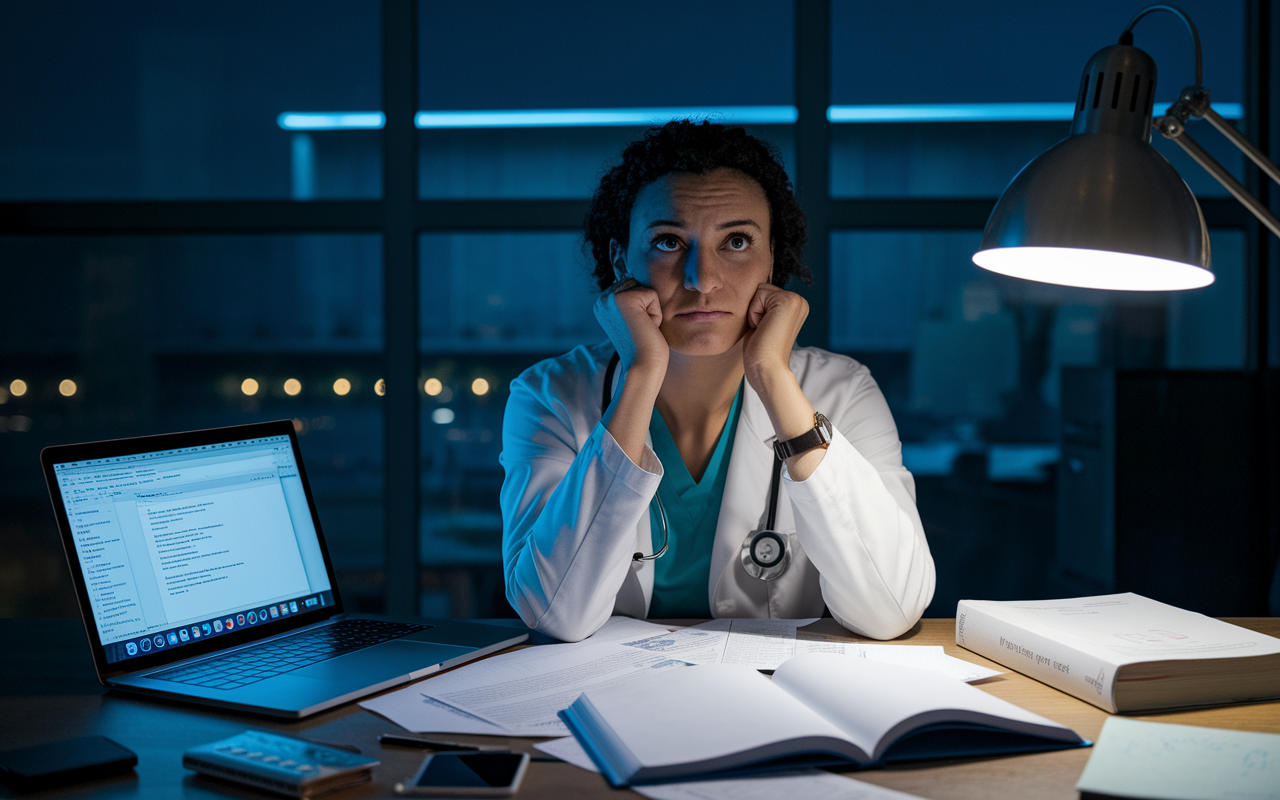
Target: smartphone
<point>82,759</point>
<point>467,775</point>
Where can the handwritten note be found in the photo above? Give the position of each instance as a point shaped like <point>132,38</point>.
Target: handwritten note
<point>1181,762</point>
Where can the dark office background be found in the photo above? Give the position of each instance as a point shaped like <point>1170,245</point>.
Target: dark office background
<point>172,257</point>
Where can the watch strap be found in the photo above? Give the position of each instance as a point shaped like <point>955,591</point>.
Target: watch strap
<point>818,435</point>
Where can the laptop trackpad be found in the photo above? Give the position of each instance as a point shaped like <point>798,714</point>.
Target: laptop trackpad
<point>383,662</point>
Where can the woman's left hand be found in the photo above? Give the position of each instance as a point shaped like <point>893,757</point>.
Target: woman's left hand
<point>774,317</point>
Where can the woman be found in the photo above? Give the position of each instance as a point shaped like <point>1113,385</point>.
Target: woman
<point>694,235</point>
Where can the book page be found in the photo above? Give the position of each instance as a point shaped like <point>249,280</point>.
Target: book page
<point>874,703</point>
<point>810,784</point>
<point>1134,758</point>
<point>1128,628</point>
<point>700,713</point>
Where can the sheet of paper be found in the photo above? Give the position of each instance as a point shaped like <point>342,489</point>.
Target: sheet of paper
<point>1134,758</point>
<point>619,629</point>
<point>519,693</point>
<point>698,644</point>
<point>522,692</point>
<point>756,643</point>
<point>414,711</point>
<point>919,656</point>
<point>766,643</point>
<point>762,643</point>
<point>814,784</point>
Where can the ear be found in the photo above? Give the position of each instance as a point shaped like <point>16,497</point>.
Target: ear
<point>617,257</point>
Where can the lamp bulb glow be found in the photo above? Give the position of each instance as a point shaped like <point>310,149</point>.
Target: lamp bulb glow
<point>1093,269</point>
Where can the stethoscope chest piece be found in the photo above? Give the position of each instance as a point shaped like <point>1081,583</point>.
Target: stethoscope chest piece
<point>765,555</point>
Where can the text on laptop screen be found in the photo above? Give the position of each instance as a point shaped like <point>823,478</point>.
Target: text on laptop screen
<point>177,537</point>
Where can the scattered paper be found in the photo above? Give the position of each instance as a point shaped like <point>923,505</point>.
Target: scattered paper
<point>619,629</point>
<point>765,643</point>
<point>518,693</point>
<point>1134,758</point>
<point>811,784</point>
<point>910,655</point>
<point>414,711</point>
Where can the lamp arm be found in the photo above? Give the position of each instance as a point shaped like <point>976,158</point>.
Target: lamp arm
<point>1239,140</point>
<point>1223,177</point>
<point>1127,37</point>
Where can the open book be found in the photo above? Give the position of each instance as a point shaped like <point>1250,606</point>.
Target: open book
<point>817,709</point>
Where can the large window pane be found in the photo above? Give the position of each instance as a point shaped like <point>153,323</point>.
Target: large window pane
<point>106,337</point>
<point>492,304</point>
<point>585,55</point>
<point>151,99</point>
<point>982,58</point>
<point>971,364</point>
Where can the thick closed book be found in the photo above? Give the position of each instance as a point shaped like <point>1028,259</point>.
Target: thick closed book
<point>1124,653</point>
<point>818,709</point>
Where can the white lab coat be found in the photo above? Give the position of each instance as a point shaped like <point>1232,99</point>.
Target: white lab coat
<point>575,507</point>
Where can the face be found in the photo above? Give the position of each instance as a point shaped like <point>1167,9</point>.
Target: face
<point>702,243</point>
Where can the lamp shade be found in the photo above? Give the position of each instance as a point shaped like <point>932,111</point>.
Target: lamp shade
<point>1102,209</point>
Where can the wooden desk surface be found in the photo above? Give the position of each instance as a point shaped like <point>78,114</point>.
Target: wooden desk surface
<point>48,692</point>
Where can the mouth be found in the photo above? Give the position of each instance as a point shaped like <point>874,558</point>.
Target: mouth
<point>701,315</point>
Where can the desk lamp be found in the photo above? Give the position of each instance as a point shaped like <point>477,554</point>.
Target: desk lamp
<point>1102,209</point>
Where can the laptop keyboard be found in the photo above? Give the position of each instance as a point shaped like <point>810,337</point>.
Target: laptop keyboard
<point>285,655</point>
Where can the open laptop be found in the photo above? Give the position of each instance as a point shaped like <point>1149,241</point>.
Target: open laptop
<point>202,575</point>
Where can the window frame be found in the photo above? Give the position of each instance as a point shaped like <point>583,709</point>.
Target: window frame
<point>400,216</point>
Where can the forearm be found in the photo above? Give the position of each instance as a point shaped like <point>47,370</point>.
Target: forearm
<point>629,413</point>
<point>791,414</point>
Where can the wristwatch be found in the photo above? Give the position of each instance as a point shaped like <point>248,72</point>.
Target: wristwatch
<point>817,436</point>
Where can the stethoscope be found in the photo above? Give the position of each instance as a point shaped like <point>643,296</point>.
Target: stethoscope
<point>764,555</point>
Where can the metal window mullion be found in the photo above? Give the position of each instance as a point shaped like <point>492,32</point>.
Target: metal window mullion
<point>400,306</point>
<point>813,154</point>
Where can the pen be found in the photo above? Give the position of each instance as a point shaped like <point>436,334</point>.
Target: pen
<point>431,744</point>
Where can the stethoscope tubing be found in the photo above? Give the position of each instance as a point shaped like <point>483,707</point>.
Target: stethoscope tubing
<point>774,481</point>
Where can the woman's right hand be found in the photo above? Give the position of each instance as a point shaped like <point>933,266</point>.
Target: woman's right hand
<point>631,314</point>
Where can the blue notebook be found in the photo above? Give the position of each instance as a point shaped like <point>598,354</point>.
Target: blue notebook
<point>819,709</point>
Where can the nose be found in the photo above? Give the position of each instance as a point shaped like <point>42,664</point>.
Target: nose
<point>701,270</point>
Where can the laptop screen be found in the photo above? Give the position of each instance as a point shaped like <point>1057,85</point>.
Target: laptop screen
<point>178,545</point>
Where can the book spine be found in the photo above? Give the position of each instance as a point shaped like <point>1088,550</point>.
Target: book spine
<point>1036,655</point>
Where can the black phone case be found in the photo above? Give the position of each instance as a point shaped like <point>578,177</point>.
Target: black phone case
<point>68,761</point>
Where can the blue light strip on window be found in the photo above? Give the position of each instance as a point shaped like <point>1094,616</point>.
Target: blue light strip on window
<point>332,121</point>
<point>604,117</point>
<point>742,115</point>
<point>981,112</point>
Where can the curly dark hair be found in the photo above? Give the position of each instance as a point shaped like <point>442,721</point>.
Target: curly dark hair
<point>697,148</point>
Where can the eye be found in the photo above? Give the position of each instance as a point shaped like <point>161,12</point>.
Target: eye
<point>666,243</point>
<point>738,241</point>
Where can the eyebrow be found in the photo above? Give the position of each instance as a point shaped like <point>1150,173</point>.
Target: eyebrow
<point>670,223</point>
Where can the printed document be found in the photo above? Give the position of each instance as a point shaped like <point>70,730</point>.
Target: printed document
<point>765,643</point>
<point>1134,758</point>
<point>519,693</point>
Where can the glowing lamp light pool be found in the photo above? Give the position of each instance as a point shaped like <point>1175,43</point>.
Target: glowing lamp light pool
<point>1093,269</point>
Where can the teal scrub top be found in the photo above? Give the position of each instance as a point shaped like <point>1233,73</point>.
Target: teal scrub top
<point>681,575</point>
